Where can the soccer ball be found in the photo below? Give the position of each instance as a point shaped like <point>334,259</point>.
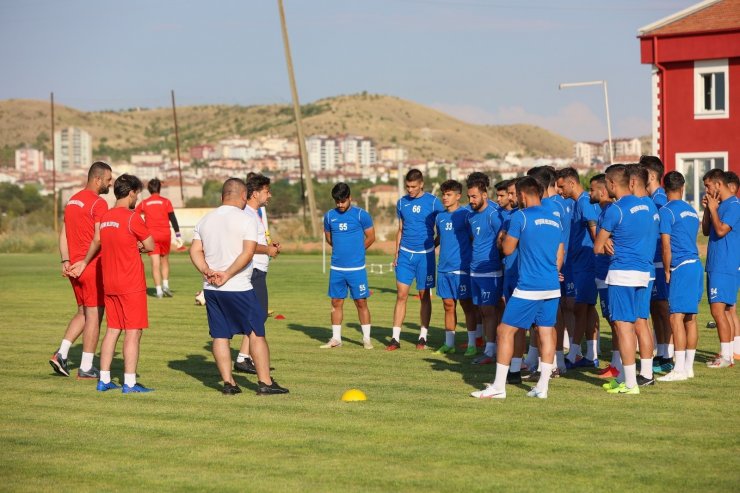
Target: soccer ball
<point>200,298</point>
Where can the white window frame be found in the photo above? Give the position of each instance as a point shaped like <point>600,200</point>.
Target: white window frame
<point>703,67</point>
<point>682,161</point>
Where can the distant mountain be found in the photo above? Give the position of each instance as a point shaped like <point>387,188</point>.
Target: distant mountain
<point>425,133</point>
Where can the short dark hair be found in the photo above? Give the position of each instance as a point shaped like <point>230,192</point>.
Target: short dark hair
<point>638,171</point>
<point>124,184</point>
<point>414,175</point>
<point>568,173</point>
<point>502,185</point>
<point>255,183</point>
<point>673,181</point>
<point>98,169</point>
<point>654,164</point>
<point>232,186</point>
<point>340,192</point>
<point>732,178</point>
<point>478,176</point>
<point>618,174</point>
<point>451,185</point>
<point>530,186</point>
<point>478,183</point>
<point>154,185</point>
<point>716,174</point>
<point>544,176</point>
<point>600,178</point>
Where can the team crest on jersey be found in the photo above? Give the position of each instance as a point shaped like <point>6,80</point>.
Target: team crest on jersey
<point>713,293</point>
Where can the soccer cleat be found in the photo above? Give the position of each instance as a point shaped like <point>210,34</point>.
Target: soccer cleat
<point>610,385</point>
<point>366,343</point>
<point>92,373</point>
<point>59,364</point>
<point>331,344</point>
<point>272,389</point>
<point>581,363</point>
<point>471,351</point>
<point>137,388</point>
<point>711,325</point>
<point>608,372</point>
<point>662,365</point>
<point>445,349</point>
<point>483,359</point>
<point>421,343</point>
<point>166,292</point>
<point>644,381</point>
<point>479,342</point>
<point>514,377</point>
<point>557,372</point>
<point>622,389</point>
<point>673,376</point>
<point>102,387</point>
<point>489,393</point>
<point>535,392</point>
<point>231,389</point>
<point>393,345</point>
<point>246,366</point>
<point>532,377</point>
<point>719,363</point>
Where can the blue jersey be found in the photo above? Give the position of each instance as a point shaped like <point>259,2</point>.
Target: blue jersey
<point>556,208</point>
<point>418,215</point>
<point>601,261</point>
<point>630,220</point>
<point>653,232</point>
<point>347,236</point>
<point>454,241</point>
<point>659,199</point>
<point>568,206</point>
<point>540,236</point>
<point>679,220</point>
<point>723,254</point>
<point>581,247</point>
<point>511,262</point>
<point>484,228</point>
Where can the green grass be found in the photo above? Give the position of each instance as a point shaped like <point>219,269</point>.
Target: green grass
<point>418,431</point>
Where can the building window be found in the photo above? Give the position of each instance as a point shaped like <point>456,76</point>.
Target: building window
<point>694,166</point>
<point>711,89</point>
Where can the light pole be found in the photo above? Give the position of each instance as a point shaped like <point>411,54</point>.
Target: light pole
<point>606,102</point>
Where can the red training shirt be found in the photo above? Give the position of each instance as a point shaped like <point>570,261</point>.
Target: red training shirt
<point>83,210</point>
<point>156,211</point>
<point>123,270</point>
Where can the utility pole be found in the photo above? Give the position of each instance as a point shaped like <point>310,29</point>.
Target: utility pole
<point>299,125</point>
<point>54,170</point>
<point>177,141</point>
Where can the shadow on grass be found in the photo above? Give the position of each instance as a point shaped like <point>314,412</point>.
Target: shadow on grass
<point>204,369</point>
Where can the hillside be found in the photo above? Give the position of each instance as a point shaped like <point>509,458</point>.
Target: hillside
<point>424,132</point>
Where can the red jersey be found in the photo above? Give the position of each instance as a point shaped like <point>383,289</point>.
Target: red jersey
<point>156,210</point>
<point>84,209</point>
<point>123,270</point>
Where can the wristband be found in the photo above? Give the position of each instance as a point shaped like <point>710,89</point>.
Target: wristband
<point>65,260</point>
<point>178,234</point>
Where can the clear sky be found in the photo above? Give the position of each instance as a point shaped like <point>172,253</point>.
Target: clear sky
<point>484,61</point>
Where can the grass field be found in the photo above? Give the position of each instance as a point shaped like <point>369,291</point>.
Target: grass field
<point>418,431</point>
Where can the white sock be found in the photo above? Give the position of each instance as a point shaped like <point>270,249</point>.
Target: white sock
<point>450,338</point>
<point>423,333</point>
<point>560,360</point>
<point>499,382</point>
<point>165,284</point>
<point>397,333</point>
<point>680,362</point>
<point>725,349</point>
<point>630,375</point>
<point>336,332</point>
<point>671,351</point>
<point>129,379</point>
<point>365,331</point>
<point>64,348</point>
<point>591,349</point>
<point>689,364</point>
<point>646,367</point>
<point>471,338</point>
<point>105,376</point>
<point>241,357</point>
<point>479,330</point>
<point>490,349</point>
<point>87,361</point>
<point>544,381</point>
<point>736,345</point>
<point>159,290</point>
<point>516,365</point>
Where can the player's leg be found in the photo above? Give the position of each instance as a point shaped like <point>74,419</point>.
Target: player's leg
<point>107,351</point>
<point>363,314</point>
<point>425,315</point>
<point>165,268</point>
<point>504,353</point>
<point>732,312</point>
<point>131,346</point>
<point>680,337</point>
<point>425,273</point>
<point>338,285</point>
<point>405,273</point>
<point>90,338</point>
<point>471,321</point>
<point>722,290</point>
<point>515,368</point>
<point>547,354</point>
<point>623,301</point>
<point>75,327</point>
<point>157,272</point>
<point>360,291</point>
<point>692,341</point>
<point>644,336</point>
<point>450,309</point>
<point>222,354</point>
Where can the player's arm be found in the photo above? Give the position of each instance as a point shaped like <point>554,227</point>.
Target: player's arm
<point>509,244</point>
<point>398,240</point>
<point>64,251</point>
<point>665,244</point>
<point>239,263</point>
<point>369,237</point>
<point>147,244</point>
<point>327,235</point>
<point>561,256</point>
<point>600,242</point>
<point>705,220</point>
<point>721,229</point>
<point>176,227</point>
<point>500,240</point>
<point>198,257</point>
<point>592,229</point>
<point>78,268</point>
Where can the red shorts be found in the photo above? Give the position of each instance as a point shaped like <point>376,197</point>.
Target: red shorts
<point>126,311</point>
<point>88,288</point>
<point>162,242</point>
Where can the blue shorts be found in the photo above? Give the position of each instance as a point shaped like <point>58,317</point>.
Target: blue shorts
<point>603,290</point>
<point>685,289</point>
<point>623,302</point>
<point>234,312</point>
<point>416,266</point>
<point>509,285</point>
<point>660,288</point>
<point>643,301</point>
<point>722,288</point>
<point>523,313</point>
<point>486,290</point>
<point>452,286</point>
<point>356,280</point>
<point>568,286</point>
<point>585,286</point>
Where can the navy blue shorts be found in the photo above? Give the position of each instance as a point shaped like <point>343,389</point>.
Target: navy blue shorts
<point>568,286</point>
<point>660,288</point>
<point>234,312</point>
<point>585,286</point>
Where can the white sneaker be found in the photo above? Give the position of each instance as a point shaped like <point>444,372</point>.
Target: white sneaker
<point>690,373</point>
<point>719,363</point>
<point>331,344</point>
<point>674,376</point>
<point>489,393</point>
<point>535,392</point>
<point>366,343</point>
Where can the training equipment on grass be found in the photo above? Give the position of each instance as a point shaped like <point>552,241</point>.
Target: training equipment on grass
<point>200,298</point>
<point>354,395</point>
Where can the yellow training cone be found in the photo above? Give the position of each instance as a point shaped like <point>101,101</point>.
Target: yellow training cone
<point>353,395</point>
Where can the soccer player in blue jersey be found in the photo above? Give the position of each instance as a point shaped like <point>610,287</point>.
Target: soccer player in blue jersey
<point>415,258</point>
<point>502,194</point>
<point>659,294</point>
<point>733,182</point>
<point>486,274</point>
<point>582,261</point>
<point>350,232</point>
<point>539,239</point>
<point>679,225</point>
<point>721,222</point>
<point>625,223</point>
<point>453,271</point>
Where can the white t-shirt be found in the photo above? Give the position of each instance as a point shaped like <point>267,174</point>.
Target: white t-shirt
<point>261,260</point>
<point>222,233</point>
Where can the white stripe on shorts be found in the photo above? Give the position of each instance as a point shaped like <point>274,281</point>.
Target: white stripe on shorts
<point>536,295</point>
<point>497,273</point>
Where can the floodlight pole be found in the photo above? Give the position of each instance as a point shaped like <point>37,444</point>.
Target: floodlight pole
<point>54,169</point>
<point>606,103</point>
<point>177,143</point>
